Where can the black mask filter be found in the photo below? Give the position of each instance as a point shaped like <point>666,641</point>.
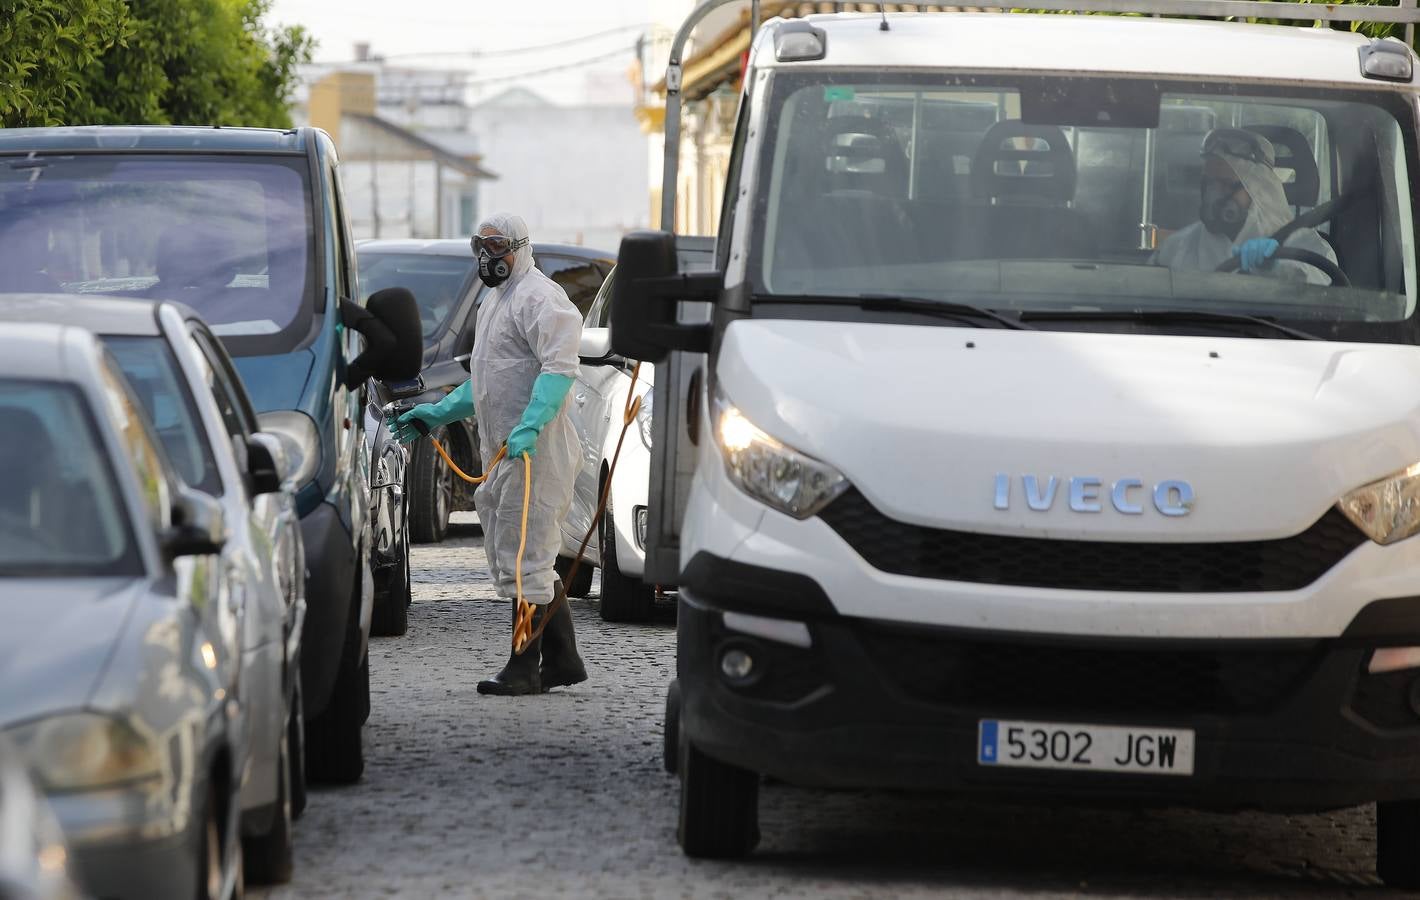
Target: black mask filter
<point>493,270</point>
<point>1220,211</point>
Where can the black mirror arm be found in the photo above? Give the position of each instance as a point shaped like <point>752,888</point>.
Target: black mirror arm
<point>688,287</point>
<point>380,343</point>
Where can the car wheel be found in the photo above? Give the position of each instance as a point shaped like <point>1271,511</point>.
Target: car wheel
<point>296,751</point>
<point>624,597</point>
<point>719,806</point>
<point>209,852</point>
<point>1398,843</point>
<point>393,594</point>
<point>270,857</point>
<point>334,753</point>
<point>431,483</point>
<point>583,585</point>
<point>670,739</point>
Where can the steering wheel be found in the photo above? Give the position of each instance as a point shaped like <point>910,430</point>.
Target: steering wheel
<point>1296,254</point>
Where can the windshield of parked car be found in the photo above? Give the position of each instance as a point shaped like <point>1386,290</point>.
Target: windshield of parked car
<point>152,370</point>
<point>438,282</point>
<point>60,509</point>
<point>229,236</point>
<point>1091,195</point>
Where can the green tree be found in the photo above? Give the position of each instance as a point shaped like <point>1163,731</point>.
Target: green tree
<point>46,47</point>
<point>184,62</point>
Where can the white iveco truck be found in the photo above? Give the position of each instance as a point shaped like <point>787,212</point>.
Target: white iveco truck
<point>964,489</point>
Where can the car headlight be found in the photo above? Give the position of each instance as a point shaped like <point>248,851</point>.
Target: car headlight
<point>1387,510</point>
<point>84,751</point>
<point>643,419</point>
<point>765,469</point>
<point>297,433</point>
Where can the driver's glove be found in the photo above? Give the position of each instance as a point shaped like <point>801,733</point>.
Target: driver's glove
<point>1254,254</point>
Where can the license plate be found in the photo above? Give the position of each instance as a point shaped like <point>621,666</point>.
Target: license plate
<point>1095,748</point>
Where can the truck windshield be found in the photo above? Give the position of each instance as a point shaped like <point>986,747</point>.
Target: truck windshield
<point>1036,195</point>
<point>229,236</point>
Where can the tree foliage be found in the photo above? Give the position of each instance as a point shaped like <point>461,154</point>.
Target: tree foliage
<point>184,62</point>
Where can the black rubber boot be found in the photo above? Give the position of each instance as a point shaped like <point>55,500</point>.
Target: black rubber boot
<point>561,664</point>
<point>520,676</point>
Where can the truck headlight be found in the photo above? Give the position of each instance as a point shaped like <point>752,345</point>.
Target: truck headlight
<point>1387,510</point>
<point>297,433</point>
<point>85,751</point>
<point>765,469</point>
<point>643,419</point>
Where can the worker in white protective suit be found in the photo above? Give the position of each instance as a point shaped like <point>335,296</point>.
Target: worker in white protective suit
<point>1242,204</point>
<point>523,363</point>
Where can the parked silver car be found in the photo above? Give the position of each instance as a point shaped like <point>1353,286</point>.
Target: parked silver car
<point>120,655</point>
<point>200,410</point>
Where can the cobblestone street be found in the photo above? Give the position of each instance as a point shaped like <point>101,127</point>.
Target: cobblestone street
<point>564,795</point>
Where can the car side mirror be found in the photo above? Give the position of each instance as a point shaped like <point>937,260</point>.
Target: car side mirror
<point>199,528</point>
<point>646,296</point>
<point>266,463</point>
<point>595,348</point>
<point>396,309</point>
<point>465,360</point>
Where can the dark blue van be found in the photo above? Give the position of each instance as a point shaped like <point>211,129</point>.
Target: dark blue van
<point>247,227</point>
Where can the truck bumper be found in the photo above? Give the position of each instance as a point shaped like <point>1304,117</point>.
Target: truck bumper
<point>1287,725</point>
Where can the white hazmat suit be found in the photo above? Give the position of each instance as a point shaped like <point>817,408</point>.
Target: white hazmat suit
<point>1197,249</point>
<point>526,327</point>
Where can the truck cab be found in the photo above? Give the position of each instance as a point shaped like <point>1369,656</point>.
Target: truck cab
<point>1049,426</point>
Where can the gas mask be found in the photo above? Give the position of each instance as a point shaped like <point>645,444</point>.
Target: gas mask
<point>493,270</point>
<point>1219,209</point>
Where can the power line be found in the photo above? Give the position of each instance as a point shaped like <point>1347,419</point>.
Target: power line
<point>461,80</point>
<point>514,51</point>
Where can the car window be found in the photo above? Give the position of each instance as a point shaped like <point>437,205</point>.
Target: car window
<point>152,370</point>
<point>139,449</point>
<point>223,393</point>
<point>60,507</point>
<point>437,282</point>
<point>580,278</point>
<point>600,314</point>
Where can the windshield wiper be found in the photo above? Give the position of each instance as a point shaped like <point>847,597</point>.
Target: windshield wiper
<point>895,303</point>
<point>1168,316</point>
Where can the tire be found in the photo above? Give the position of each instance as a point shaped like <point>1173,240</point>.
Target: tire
<point>270,858</point>
<point>296,745</point>
<point>670,738</point>
<point>624,597</point>
<point>1398,843</point>
<point>334,753</point>
<point>583,585</point>
<point>209,852</point>
<point>719,807</point>
<point>393,594</point>
<point>431,490</point>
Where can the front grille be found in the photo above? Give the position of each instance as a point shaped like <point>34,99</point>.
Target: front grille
<point>999,678</point>
<point>1242,566</point>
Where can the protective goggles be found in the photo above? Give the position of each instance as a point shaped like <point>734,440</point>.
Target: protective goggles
<point>1240,144</point>
<point>496,244</point>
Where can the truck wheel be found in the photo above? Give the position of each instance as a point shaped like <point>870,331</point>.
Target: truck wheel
<point>670,738</point>
<point>719,807</point>
<point>1398,843</point>
<point>393,594</point>
<point>334,754</point>
<point>624,597</point>
<point>583,585</point>
<point>269,858</point>
<point>431,494</point>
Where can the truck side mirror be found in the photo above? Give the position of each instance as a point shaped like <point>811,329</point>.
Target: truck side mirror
<point>646,295</point>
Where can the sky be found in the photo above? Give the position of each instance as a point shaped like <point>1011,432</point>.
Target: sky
<point>397,27</point>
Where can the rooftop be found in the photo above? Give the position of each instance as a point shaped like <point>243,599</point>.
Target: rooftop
<point>153,138</point>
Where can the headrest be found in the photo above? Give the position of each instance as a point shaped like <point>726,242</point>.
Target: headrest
<point>1294,155</point>
<point>1043,171</point>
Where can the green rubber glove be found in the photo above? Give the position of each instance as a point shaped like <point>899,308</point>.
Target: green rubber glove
<point>458,404</point>
<point>548,393</point>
